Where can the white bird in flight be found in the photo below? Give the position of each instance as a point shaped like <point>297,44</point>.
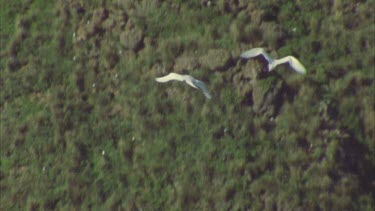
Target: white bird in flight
<point>188,79</point>
<point>293,62</point>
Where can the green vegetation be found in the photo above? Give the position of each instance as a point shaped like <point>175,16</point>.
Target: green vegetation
<point>85,126</point>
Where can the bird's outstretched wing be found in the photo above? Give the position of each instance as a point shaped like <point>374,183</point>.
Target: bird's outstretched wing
<point>256,52</point>
<point>189,80</point>
<point>170,77</point>
<point>296,65</point>
<point>293,62</point>
<point>201,86</point>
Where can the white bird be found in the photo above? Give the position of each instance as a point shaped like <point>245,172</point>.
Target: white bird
<point>188,79</point>
<point>293,62</point>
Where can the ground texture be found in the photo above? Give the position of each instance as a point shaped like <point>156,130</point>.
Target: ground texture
<point>84,125</point>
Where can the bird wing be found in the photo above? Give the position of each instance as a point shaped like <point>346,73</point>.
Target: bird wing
<point>293,62</point>
<point>296,65</point>
<point>170,77</point>
<point>256,52</point>
<point>201,86</point>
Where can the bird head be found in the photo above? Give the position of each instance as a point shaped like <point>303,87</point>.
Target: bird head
<point>192,82</point>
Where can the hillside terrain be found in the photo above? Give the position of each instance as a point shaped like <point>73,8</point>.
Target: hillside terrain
<point>84,125</point>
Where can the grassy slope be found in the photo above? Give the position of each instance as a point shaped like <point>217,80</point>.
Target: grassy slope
<point>165,145</point>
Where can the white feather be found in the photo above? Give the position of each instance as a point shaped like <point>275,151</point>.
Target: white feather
<point>272,63</point>
<point>188,79</point>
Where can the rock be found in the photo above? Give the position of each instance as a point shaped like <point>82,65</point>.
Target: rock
<point>266,95</point>
<point>217,59</point>
<point>132,37</point>
<point>243,79</point>
<point>260,90</point>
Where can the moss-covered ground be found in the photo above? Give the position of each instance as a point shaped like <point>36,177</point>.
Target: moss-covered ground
<point>85,126</point>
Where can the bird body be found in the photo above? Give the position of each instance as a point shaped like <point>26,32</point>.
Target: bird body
<point>188,79</point>
<point>272,63</point>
